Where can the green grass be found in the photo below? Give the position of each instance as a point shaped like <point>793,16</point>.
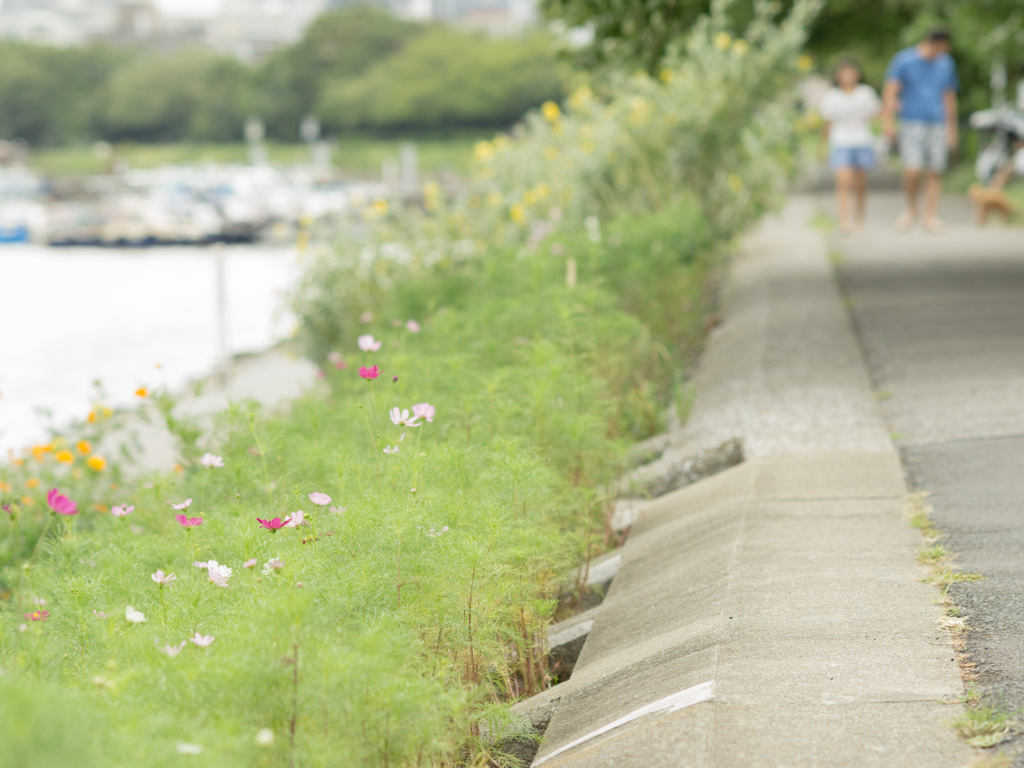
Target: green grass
<point>357,156</point>
<point>983,725</point>
<point>397,628</point>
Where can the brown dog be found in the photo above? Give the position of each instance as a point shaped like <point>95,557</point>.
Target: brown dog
<point>987,200</point>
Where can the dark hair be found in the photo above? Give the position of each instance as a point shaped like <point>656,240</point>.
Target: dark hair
<point>843,63</point>
<point>939,35</point>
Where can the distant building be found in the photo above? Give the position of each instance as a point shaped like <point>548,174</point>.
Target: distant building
<point>251,29</point>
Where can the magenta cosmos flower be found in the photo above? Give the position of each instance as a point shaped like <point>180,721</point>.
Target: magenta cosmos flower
<point>369,344</point>
<point>272,525</point>
<point>424,411</point>
<point>38,615</point>
<point>184,505</point>
<point>60,503</point>
<point>320,499</point>
<point>188,522</point>
<point>370,373</point>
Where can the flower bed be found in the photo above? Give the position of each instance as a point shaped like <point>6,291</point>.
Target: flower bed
<point>365,578</point>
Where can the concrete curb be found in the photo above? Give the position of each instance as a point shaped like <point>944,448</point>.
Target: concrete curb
<point>772,614</point>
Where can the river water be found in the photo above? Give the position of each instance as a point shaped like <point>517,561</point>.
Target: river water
<point>127,318</point>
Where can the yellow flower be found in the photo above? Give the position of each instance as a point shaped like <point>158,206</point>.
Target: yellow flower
<point>483,151</point>
<point>494,199</point>
<point>550,111</point>
<point>518,214</point>
<point>640,110</point>
<point>32,482</point>
<point>380,206</point>
<point>530,197</point>
<point>587,147</point>
<point>580,97</point>
<point>551,153</point>
<point>740,46</point>
<point>65,457</point>
<point>97,463</point>
<point>542,190</point>
<point>666,75</point>
<point>84,447</point>
<point>142,392</point>
<point>431,189</point>
<point>722,41</point>
<point>500,142</point>
<point>804,63</point>
<point>735,182</point>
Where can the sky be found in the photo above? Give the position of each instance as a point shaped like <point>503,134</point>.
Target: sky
<point>189,7</point>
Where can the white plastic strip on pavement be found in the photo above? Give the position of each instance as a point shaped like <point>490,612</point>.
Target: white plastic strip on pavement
<point>673,703</point>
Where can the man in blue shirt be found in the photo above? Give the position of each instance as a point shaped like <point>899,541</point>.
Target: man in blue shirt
<point>921,85</point>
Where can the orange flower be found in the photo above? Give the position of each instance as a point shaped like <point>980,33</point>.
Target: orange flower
<point>142,392</point>
<point>84,447</point>
<point>27,501</point>
<point>113,486</point>
<point>91,418</point>
<point>39,451</point>
<point>99,507</point>
<point>97,463</point>
<point>32,482</point>
<point>65,457</point>
<point>4,487</point>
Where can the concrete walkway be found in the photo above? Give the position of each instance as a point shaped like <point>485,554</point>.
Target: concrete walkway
<point>772,615</point>
<point>942,322</point>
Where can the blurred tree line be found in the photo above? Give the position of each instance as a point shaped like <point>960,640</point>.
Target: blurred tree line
<point>358,70</point>
<point>640,32</point>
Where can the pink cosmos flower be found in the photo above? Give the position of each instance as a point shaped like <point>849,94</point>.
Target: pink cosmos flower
<point>133,616</point>
<point>218,573</point>
<point>122,510</point>
<point>37,615</point>
<point>201,564</point>
<point>173,650</point>
<point>60,503</point>
<point>201,640</point>
<point>272,525</point>
<point>391,450</point>
<point>337,510</point>
<point>336,359</point>
<point>424,411</point>
<point>250,563</point>
<point>7,508</point>
<point>210,460</point>
<point>101,614</point>
<point>413,326</point>
<point>184,505</point>
<point>296,519</point>
<point>273,564</point>
<point>162,578</point>
<point>370,373</point>
<point>188,522</point>
<point>369,344</point>
<point>401,418</point>
<point>366,317</point>
<point>320,499</point>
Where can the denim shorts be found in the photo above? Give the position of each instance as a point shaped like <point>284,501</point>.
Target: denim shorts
<point>923,146</point>
<point>861,158</point>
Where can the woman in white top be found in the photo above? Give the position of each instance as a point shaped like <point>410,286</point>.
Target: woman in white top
<point>848,109</point>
